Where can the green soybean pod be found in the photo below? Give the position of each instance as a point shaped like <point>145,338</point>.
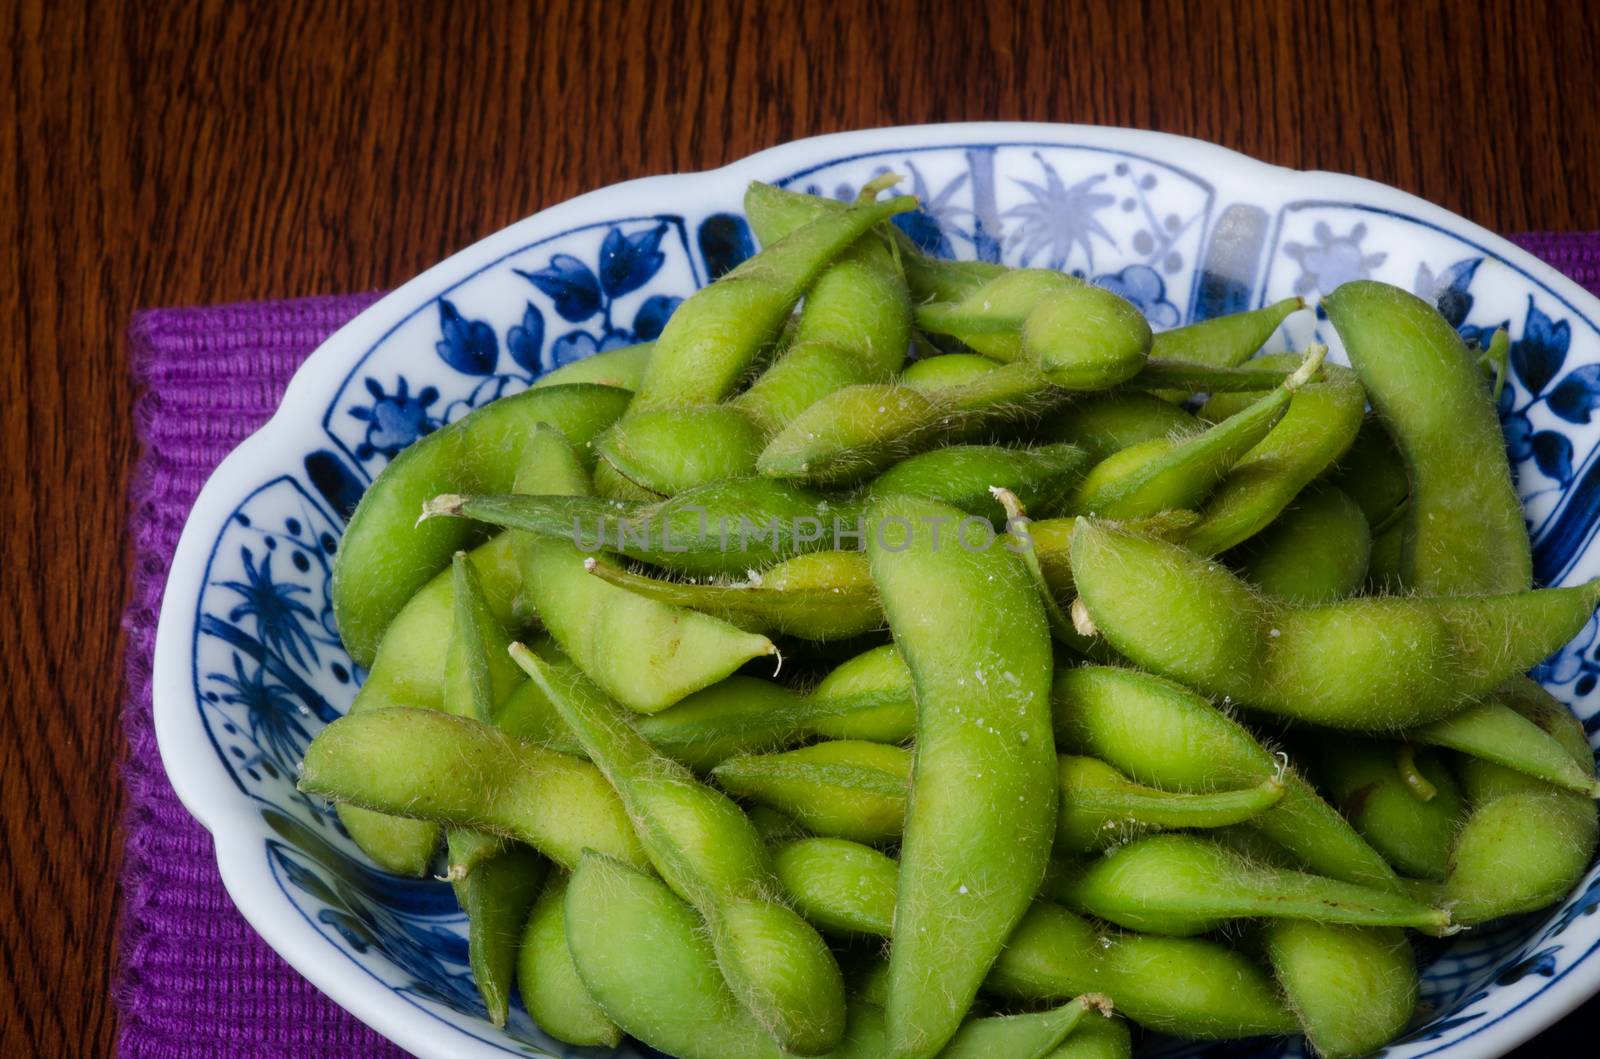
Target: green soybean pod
<point>497,896</point>
<point>1167,473</point>
<point>1086,338</point>
<point>1372,474</point>
<point>859,431</point>
<point>712,338</point>
<point>1104,423</point>
<point>855,328</point>
<point>1465,530</point>
<point>844,788</point>
<point>1322,422</point>
<point>642,954</point>
<point>668,450</point>
<point>1354,989</point>
<point>1362,779</point>
<point>739,715</point>
<point>1225,341</point>
<point>410,671</point>
<point>1194,987</point>
<point>1031,1035</point>
<point>710,854</point>
<point>1318,551</point>
<point>1182,885</point>
<point>646,653</point>
<point>1100,806</point>
<point>1525,843</point>
<point>816,596</point>
<point>622,367</point>
<point>721,528</point>
<point>1161,733</point>
<point>869,697</point>
<point>384,557</point>
<point>990,319</point>
<point>1102,1038</point>
<point>452,770</point>
<point>969,867</point>
<point>774,212</point>
<point>1494,731</point>
<point>548,980</point>
<point>963,475</point>
<point>1365,663</point>
<point>946,370</point>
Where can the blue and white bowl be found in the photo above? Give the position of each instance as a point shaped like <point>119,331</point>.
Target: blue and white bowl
<point>248,665</point>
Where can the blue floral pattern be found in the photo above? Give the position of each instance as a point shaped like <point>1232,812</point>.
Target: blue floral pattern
<point>268,671</point>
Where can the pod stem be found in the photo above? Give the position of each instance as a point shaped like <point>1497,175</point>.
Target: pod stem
<point>448,505</point>
<point>1308,367</point>
<point>1419,785</point>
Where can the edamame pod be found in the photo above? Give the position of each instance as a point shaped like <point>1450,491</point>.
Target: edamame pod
<point>642,954</point>
<point>710,854</point>
<point>1100,806</point>
<point>712,338</point>
<point>668,450</point>
<point>410,671</point>
<point>1169,473</point>
<point>963,475</point>
<point>1203,988</point>
<point>1102,1038</point>
<point>1032,1035</point>
<point>1354,989</point>
<point>1371,473</point>
<point>495,880</point>
<point>724,528</point>
<point>868,697</point>
<point>496,897</point>
<point>969,867</point>
<point>1495,732</point>
<point>1181,885</point>
<point>645,653</point>
<point>817,596</point>
<point>384,558</point>
<point>843,788</point>
<point>1465,531</point>
<point>1362,778</point>
<point>1163,734</point>
<point>1367,663</point>
<point>859,431</point>
<point>774,212</point>
<point>946,370</point>
<point>622,367</point>
<point>1102,424</point>
<point>989,320</point>
<point>1225,341</point>
<point>1086,338</point>
<point>548,980</point>
<point>1318,551</point>
<point>460,772</point>
<point>1320,425</point>
<point>855,328</point>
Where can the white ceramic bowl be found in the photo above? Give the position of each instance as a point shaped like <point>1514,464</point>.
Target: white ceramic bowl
<point>248,665</point>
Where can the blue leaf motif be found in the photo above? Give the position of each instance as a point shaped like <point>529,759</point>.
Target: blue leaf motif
<point>525,340</point>
<point>725,241</point>
<point>653,316</point>
<point>1577,395</point>
<point>627,262</point>
<point>1519,434</point>
<point>1541,351</point>
<point>570,284</point>
<point>574,345</point>
<point>1449,289</point>
<point>1552,452</point>
<point>469,346</point>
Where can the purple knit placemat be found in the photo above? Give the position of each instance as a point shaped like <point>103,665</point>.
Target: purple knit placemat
<point>195,982</point>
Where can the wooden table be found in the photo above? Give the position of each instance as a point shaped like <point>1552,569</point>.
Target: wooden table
<point>187,153</point>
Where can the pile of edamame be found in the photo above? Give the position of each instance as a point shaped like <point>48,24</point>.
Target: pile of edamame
<point>906,657</point>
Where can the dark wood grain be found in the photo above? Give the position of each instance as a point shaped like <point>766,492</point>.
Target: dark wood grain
<point>157,154</point>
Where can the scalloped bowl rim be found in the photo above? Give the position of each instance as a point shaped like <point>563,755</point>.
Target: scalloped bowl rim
<point>188,756</point>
